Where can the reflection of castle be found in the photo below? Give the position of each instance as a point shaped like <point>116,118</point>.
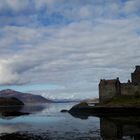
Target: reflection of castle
<point>109,89</point>
<point>120,128</point>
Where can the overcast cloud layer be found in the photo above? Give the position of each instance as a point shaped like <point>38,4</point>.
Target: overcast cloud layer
<point>72,43</point>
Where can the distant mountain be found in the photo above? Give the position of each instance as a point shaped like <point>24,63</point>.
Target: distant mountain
<point>26,98</point>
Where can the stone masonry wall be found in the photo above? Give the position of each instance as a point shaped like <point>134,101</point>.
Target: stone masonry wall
<point>130,90</point>
<point>107,92</point>
<point>111,88</point>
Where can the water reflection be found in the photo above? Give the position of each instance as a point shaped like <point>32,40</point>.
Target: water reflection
<point>8,109</point>
<point>45,122</point>
<point>31,108</point>
<point>120,128</point>
<point>11,112</point>
<point>116,128</point>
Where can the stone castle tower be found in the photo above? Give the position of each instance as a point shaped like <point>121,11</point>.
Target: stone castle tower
<point>135,76</point>
<point>112,88</point>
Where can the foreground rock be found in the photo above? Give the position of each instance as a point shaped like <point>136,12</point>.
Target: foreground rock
<point>26,98</point>
<point>11,101</point>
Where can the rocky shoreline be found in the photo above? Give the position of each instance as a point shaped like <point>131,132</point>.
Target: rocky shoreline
<point>85,110</point>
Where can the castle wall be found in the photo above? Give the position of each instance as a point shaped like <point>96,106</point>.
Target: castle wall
<point>127,89</point>
<point>108,89</point>
<point>112,88</point>
<point>107,92</point>
<point>130,90</point>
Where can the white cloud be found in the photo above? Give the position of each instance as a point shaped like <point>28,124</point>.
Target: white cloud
<point>8,76</point>
<point>74,49</point>
<point>94,45</point>
<point>15,5</point>
<point>132,6</point>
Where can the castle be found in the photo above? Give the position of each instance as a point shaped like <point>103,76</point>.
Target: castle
<point>109,89</point>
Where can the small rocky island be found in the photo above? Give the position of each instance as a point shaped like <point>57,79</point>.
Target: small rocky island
<point>115,98</point>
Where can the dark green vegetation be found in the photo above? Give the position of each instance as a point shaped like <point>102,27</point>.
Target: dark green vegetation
<point>121,102</point>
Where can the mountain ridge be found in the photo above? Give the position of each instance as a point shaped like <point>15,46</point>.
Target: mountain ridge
<point>26,98</point>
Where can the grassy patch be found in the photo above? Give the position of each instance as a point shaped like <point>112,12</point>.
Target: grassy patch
<point>122,102</point>
<point>94,100</point>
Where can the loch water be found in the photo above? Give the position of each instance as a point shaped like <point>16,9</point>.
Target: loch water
<point>46,122</point>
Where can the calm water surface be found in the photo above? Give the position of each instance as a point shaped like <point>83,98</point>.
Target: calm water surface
<point>46,122</point>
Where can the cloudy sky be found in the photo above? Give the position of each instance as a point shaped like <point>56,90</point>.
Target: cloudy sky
<point>64,47</point>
